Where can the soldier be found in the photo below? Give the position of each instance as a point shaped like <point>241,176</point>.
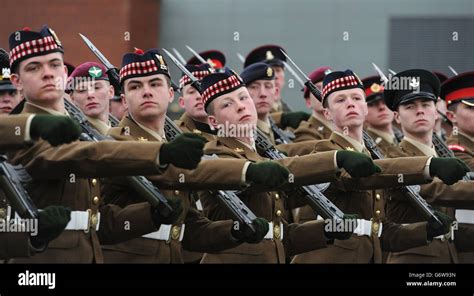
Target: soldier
<point>228,104</point>
<point>457,94</point>
<point>317,127</point>
<point>271,55</point>
<point>379,119</point>
<point>194,118</point>
<point>147,91</point>
<point>415,110</point>
<point>60,173</point>
<point>117,109</point>
<point>9,95</point>
<point>91,91</point>
<point>345,106</point>
<point>259,79</point>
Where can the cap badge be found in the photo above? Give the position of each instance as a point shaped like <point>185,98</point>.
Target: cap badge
<point>55,37</point>
<point>95,72</point>
<point>269,55</point>
<point>414,83</point>
<point>5,74</point>
<point>162,62</point>
<point>269,72</point>
<point>375,87</point>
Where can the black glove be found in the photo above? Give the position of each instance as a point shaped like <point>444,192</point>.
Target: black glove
<point>243,233</point>
<point>267,173</point>
<point>51,222</point>
<point>54,129</point>
<point>449,169</point>
<point>293,119</point>
<point>343,235</point>
<point>184,152</point>
<point>432,228</point>
<point>159,219</point>
<point>357,164</point>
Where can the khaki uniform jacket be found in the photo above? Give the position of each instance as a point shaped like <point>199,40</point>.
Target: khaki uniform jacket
<point>270,205</point>
<point>60,176</point>
<point>313,129</point>
<point>200,234</point>
<point>188,125</point>
<point>382,143</point>
<point>357,197</point>
<point>436,193</point>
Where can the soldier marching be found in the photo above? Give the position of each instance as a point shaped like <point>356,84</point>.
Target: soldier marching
<point>117,181</point>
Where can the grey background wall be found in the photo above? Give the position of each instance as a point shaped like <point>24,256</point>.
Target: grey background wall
<point>313,31</point>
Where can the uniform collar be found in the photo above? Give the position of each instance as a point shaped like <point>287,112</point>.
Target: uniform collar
<point>102,127</point>
<point>156,135</point>
<point>318,119</point>
<point>466,136</point>
<point>47,110</point>
<point>387,137</point>
<point>359,147</point>
<point>264,126</point>
<point>426,150</point>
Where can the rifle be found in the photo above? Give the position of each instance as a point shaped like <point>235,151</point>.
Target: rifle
<point>411,192</point>
<point>312,193</point>
<point>11,181</point>
<point>283,137</point>
<point>142,185</point>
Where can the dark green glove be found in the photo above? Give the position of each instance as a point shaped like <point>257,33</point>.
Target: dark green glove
<point>343,235</point>
<point>54,129</point>
<point>184,152</point>
<point>432,228</point>
<point>293,119</point>
<point>243,233</point>
<point>357,164</point>
<point>51,222</point>
<point>267,173</point>
<point>449,169</point>
<point>159,219</point>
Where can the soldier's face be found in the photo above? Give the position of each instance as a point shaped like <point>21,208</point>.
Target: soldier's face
<point>191,102</point>
<point>117,109</point>
<point>235,108</point>
<point>147,98</point>
<point>379,115</point>
<point>8,100</point>
<point>463,118</point>
<point>263,93</point>
<point>417,117</point>
<point>346,108</point>
<point>92,97</point>
<point>42,79</point>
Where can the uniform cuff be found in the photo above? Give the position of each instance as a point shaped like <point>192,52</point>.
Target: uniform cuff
<point>28,127</point>
<point>335,163</point>
<point>426,171</point>
<point>243,178</point>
